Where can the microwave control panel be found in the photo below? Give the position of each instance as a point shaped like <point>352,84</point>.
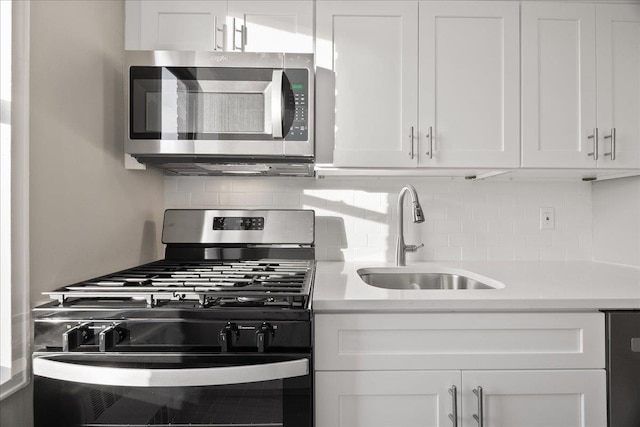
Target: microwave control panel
<point>297,110</point>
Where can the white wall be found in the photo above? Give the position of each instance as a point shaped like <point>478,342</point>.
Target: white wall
<point>88,215</point>
<point>465,220</point>
<point>616,221</point>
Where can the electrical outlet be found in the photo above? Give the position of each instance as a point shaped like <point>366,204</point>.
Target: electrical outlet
<point>547,219</point>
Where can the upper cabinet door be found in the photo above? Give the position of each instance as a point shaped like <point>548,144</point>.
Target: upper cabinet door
<point>469,84</point>
<point>618,53</point>
<point>558,85</point>
<point>182,25</point>
<point>271,26</point>
<point>367,74</point>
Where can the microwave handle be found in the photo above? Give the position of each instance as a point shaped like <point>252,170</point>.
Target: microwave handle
<point>188,377</point>
<point>277,113</point>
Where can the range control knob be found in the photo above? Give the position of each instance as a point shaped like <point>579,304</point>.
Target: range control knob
<point>76,336</point>
<point>111,336</point>
<point>264,333</point>
<point>228,336</point>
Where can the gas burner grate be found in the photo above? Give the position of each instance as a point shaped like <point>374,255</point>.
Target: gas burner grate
<point>208,282</point>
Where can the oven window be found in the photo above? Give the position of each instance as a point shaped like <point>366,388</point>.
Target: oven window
<point>278,402</point>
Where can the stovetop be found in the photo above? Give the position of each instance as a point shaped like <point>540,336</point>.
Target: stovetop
<point>265,283</point>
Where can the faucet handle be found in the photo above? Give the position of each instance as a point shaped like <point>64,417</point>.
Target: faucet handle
<point>412,248</point>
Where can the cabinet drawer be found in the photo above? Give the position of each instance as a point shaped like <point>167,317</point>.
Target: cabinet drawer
<point>459,341</point>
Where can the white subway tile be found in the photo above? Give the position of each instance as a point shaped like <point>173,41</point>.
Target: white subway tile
<point>464,240</point>
<point>190,184</point>
<point>170,183</point>
<point>500,226</point>
<point>485,213</point>
<point>435,240</point>
<point>552,254</point>
<point>218,184</point>
<point>232,200</point>
<point>447,226</point>
<point>288,200</point>
<point>259,199</point>
<point>447,254</point>
<point>526,254</point>
<point>175,200</point>
<point>473,226</point>
<point>500,254</point>
<point>205,200</point>
<point>474,254</point>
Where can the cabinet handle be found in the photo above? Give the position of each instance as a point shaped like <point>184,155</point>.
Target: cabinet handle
<point>612,153</point>
<point>595,144</point>
<point>219,30</point>
<point>479,417</point>
<point>411,137</point>
<point>429,135</point>
<point>241,31</point>
<point>453,416</point>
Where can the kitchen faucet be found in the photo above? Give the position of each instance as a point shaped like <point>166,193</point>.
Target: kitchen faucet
<point>418,216</point>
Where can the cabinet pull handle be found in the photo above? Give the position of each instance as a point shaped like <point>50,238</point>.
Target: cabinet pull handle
<point>429,136</point>
<point>241,31</point>
<point>411,153</point>
<point>594,153</point>
<point>453,416</point>
<point>221,30</point>
<point>612,153</point>
<point>479,417</point>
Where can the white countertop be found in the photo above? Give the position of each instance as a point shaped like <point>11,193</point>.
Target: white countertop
<point>532,286</point>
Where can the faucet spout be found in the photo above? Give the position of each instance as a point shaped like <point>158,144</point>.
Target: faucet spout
<point>418,216</point>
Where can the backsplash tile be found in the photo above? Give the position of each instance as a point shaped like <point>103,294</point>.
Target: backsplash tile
<point>464,220</point>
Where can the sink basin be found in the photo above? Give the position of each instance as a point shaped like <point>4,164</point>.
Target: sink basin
<point>412,279</point>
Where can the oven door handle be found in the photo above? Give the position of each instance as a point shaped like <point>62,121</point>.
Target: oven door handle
<point>277,113</point>
<point>188,377</point>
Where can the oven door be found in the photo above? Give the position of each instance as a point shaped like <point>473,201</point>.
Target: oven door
<point>172,390</point>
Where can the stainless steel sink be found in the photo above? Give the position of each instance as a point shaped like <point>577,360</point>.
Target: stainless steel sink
<point>407,279</point>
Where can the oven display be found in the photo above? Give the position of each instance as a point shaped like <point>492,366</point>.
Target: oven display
<point>238,223</point>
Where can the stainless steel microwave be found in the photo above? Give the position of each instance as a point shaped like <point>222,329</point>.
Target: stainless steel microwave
<point>211,113</point>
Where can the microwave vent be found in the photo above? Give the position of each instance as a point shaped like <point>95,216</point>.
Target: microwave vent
<point>238,169</point>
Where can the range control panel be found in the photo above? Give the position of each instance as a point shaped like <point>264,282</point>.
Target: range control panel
<point>238,223</point>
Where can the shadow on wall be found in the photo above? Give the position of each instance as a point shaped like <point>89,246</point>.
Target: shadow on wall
<point>148,247</point>
<point>333,238</point>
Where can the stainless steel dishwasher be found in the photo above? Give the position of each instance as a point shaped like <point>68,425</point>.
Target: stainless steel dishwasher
<point>623,368</point>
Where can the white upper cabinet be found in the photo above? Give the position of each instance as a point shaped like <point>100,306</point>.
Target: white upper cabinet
<point>558,84</point>
<point>463,81</point>
<point>469,84</point>
<point>182,25</point>
<point>271,26</point>
<point>580,85</point>
<point>251,26</point>
<point>367,74</point>
<point>618,59</point>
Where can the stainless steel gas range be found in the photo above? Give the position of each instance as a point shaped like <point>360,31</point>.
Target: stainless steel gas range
<point>216,334</point>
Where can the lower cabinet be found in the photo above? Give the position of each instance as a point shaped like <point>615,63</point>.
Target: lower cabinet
<point>460,370</point>
<point>384,398</point>
<point>527,398</point>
